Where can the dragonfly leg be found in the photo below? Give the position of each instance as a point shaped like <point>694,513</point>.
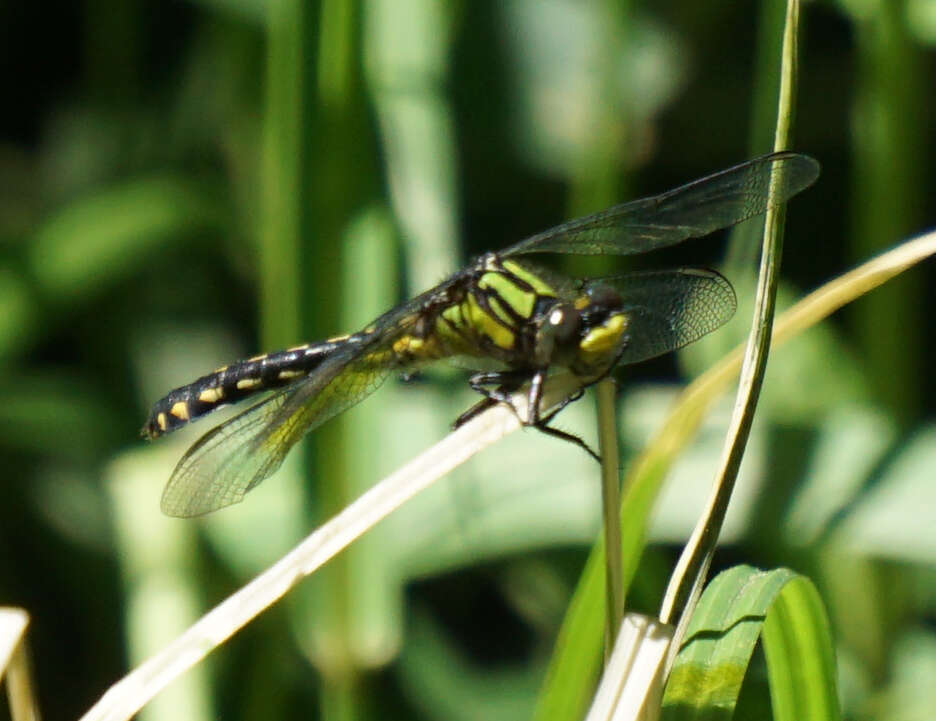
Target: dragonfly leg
<point>508,382</point>
<point>504,382</point>
<point>535,397</point>
<point>477,409</point>
<point>565,436</point>
<point>542,425</point>
<point>562,404</point>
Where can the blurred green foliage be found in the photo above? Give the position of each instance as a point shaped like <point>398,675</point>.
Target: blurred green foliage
<point>185,183</point>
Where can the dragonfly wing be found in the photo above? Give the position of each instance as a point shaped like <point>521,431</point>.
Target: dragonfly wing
<point>220,467</point>
<point>669,309</point>
<point>717,201</point>
<point>238,455</point>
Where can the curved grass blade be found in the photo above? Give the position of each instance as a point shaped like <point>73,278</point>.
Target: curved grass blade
<point>735,611</point>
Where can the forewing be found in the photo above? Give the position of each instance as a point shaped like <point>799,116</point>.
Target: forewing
<point>236,456</point>
<point>669,309</point>
<point>691,211</point>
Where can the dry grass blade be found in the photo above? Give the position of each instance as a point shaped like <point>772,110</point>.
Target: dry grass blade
<point>14,663</point>
<point>633,681</point>
<point>132,692</point>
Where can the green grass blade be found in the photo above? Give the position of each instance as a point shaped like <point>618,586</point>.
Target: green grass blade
<point>739,607</point>
<point>800,656</point>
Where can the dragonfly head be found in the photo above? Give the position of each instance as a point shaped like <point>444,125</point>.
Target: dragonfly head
<point>557,334</point>
<point>585,335</point>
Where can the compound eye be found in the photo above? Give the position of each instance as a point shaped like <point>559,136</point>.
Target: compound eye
<point>556,334</point>
<point>603,297</point>
<point>564,322</point>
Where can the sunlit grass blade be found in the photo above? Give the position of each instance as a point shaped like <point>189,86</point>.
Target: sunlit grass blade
<point>135,690</point>
<point>14,665</point>
<point>800,656</point>
<point>632,684</point>
<point>732,615</point>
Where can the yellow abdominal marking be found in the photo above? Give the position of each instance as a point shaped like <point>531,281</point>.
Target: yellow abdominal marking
<point>247,383</point>
<point>407,344</point>
<point>211,395</point>
<point>414,347</point>
<point>257,358</point>
<point>180,410</point>
<point>161,421</point>
<point>286,375</point>
<point>379,357</point>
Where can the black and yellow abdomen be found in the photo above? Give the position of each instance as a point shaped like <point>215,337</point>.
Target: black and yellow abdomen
<point>235,382</point>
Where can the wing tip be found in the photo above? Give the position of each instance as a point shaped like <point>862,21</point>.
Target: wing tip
<point>177,504</point>
<point>804,169</point>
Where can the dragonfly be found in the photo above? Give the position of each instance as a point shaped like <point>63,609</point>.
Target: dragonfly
<point>500,311</point>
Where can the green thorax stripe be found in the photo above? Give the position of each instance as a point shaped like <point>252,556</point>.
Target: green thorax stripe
<point>494,312</point>
<point>524,274</point>
<point>515,286</point>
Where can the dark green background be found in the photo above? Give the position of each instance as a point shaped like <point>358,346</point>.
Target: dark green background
<point>178,186</point>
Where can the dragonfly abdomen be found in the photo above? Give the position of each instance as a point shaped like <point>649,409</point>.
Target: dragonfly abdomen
<point>235,382</point>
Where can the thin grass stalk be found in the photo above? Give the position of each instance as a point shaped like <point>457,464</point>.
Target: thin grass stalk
<point>610,506</point>
<point>693,565</point>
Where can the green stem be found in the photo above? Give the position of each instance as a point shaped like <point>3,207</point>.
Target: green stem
<point>693,565</point>
<point>610,504</point>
